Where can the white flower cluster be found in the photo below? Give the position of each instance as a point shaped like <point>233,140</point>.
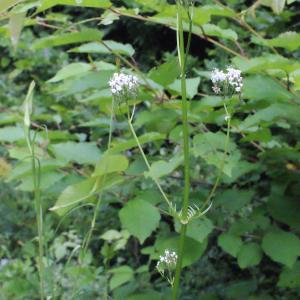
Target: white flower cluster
<point>232,78</point>
<point>123,85</point>
<point>169,260</point>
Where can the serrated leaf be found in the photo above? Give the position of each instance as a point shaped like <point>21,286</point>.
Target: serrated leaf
<point>230,243</point>
<point>140,218</point>
<point>282,246</point>
<point>249,255</point>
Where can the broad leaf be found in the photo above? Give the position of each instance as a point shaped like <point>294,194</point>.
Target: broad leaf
<point>249,255</point>
<point>163,168</point>
<point>140,218</point>
<point>76,193</point>
<point>230,243</point>
<point>82,153</point>
<point>282,246</point>
<point>120,276</point>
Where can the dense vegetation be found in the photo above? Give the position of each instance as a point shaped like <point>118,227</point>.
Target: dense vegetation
<point>247,244</point>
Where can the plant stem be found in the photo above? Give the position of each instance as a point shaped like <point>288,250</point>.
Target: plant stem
<point>96,210</point>
<point>186,192</point>
<point>146,160</point>
<point>213,190</point>
<point>39,214</point>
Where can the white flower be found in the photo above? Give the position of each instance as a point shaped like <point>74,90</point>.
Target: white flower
<point>235,79</point>
<point>169,259</point>
<point>218,76</point>
<point>123,85</point>
<point>231,78</point>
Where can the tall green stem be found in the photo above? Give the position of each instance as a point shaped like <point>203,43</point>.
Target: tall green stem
<point>39,212</point>
<point>186,192</point>
<point>96,210</point>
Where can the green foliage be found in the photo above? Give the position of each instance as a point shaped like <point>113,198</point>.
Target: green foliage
<point>140,218</point>
<point>247,246</point>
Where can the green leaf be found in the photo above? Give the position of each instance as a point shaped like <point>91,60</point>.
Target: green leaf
<point>143,139</point>
<point>70,70</point>
<point>85,35</point>
<point>249,255</point>
<point>198,229</point>
<point>285,210</point>
<point>289,40</point>
<point>46,4</point>
<point>48,179</point>
<point>6,4</point>
<point>265,62</point>
<point>140,218</point>
<point>230,243</point>
<point>282,246</point>
<point>82,153</point>
<point>76,193</point>
<point>193,249</point>
<point>191,84</point>
<point>27,105</point>
<point>120,276</point>
<point>290,277</point>
<point>110,163</point>
<point>214,30</point>
<point>15,26</point>
<point>24,168</point>
<point>166,73</point>
<point>112,46</point>
<point>238,290</point>
<point>210,147</point>
<point>278,6</point>
<point>261,87</point>
<point>234,199</point>
<point>162,168</point>
<point>11,134</point>
<point>91,80</point>
<point>271,113</point>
